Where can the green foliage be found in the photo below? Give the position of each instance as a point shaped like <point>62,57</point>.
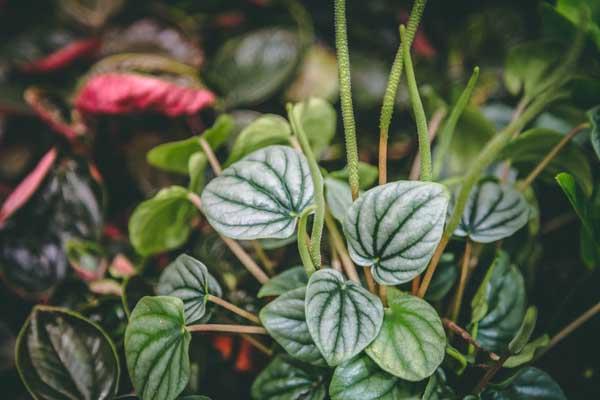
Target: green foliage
<point>286,281</point>
<point>527,384</point>
<point>319,121</point>
<point>594,116</point>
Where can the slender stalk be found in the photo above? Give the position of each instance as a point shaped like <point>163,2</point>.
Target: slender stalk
<point>387,108</point>
<point>417,105</point>
<point>383,294</point>
<point>338,242</point>
<point>233,308</point>
<point>317,179</point>
<point>210,155</point>
<point>434,124</point>
<point>464,271</point>
<point>335,258</point>
<point>415,285</point>
<point>453,327</point>
<point>343,59</point>
<point>489,374</point>
<point>303,242</point>
<point>371,285</point>
<point>551,155</point>
<point>257,330</point>
<point>258,344</point>
<point>262,256</point>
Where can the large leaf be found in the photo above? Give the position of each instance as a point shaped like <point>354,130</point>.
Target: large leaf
<point>163,222</point>
<point>594,116</point>
<point>260,196</point>
<point>526,151</point>
<point>319,121</point>
<point>283,379</point>
<point>286,281</point>
<point>528,384</point>
<point>250,68</point>
<point>59,354</point>
<point>411,343</point>
<point>189,280</point>
<point>338,197</point>
<point>494,211</point>
<point>528,64</point>
<point>285,320</point>
<point>499,305</point>
<point>342,316</point>
<point>396,227</point>
<point>156,348</point>
<point>571,10</point>
<point>361,379</point>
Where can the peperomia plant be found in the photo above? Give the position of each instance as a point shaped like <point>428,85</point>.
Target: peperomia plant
<point>388,289</point>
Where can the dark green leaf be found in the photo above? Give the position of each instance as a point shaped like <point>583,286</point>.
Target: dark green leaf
<point>528,384</point>
<point>529,64</point>
<point>156,348</point>
<point>444,278</point>
<point>286,281</point>
<point>319,121</point>
<point>396,227</point>
<point>260,196</point>
<point>516,345</point>
<point>437,388</point>
<point>60,354</point>
<point>594,116</point>
<point>189,280</point>
<point>411,343</point>
<point>342,316</point>
<point>283,379</point>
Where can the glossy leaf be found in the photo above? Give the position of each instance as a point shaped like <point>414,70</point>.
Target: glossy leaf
<point>361,379</point>
<point>594,116</point>
<point>367,175</point>
<point>444,278</point>
<point>286,281</point>
<point>342,316</point>
<point>156,348</point>
<point>161,223</point>
<point>528,352</point>
<point>494,211</point>
<point>260,196</point>
<point>188,279</point>
<point>411,344</point>
<point>319,121</point>
<point>60,354</point>
<point>516,345</point>
<point>283,379</point>
<point>395,228</point>
<point>338,197</point>
<point>285,320</point>
<point>528,384</point>
<point>529,64</point>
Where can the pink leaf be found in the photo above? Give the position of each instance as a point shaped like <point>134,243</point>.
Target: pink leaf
<point>64,56</point>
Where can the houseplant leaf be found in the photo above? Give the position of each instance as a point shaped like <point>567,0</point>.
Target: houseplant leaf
<point>493,212</point>
<point>60,354</point>
<point>411,343</point>
<point>286,281</point>
<point>319,121</point>
<point>594,116</point>
<point>528,64</point>
<point>338,197</point>
<point>284,318</point>
<point>156,348</point>
<point>396,227</point>
<point>260,196</point>
<point>444,278</point>
<point>189,280</point>
<point>367,175</point>
<point>528,352</point>
<point>527,384</point>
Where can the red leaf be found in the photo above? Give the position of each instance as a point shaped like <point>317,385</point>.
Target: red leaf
<point>64,56</point>
<point>27,187</point>
<point>117,93</point>
<point>224,345</point>
<point>49,113</point>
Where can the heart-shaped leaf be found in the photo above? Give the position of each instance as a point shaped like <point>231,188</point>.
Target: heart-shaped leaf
<point>319,121</point>
<point>528,384</point>
<point>163,222</point>
<point>339,197</point>
<point>189,280</point>
<point>285,320</point>
<point>286,281</point>
<point>396,227</point>
<point>493,212</point>
<point>411,343</point>
<point>361,379</point>
<point>60,354</point>
<point>156,348</point>
<point>594,116</point>
<point>284,379</point>
<point>260,196</point>
<point>342,316</point>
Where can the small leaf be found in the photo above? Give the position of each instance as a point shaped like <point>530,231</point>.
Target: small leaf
<point>283,379</point>
<point>286,281</point>
<point>528,352</point>
<point>156,348</point>
<point>60,354</point>
<point>361,379</point>
<point>197,164</point>
<point>285,320</point>
<point>411,343</point>
<point>342,316</point>
<point>163,222</point>
<point>189,280</point>
<point>319,121</point>
<point>493,212</point>
<point>367,175</point>
<point>594,116</point>
<point>528,384</point>
<point>266,130</point>
<point>525,331</point>
<point>260,196</point>
<point>338,197</point>
<point>395,228</point>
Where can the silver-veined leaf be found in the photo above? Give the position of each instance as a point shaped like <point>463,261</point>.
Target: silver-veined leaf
<point>156,348</point>
<point>286,281</point>
<point>342,316</point>
<point>189,280</point>
<point>411,343</point>
<point>396,227</point>
<point>284,379</point>
<point>284,318</point>
<point>527,384</point>
<point>260,196</point>
<point>494,211</point>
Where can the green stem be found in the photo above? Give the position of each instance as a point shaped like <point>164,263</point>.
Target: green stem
<point>303,20</point>
<point>303,245</point>
<point>343,58</point>
<point>417,105</point>
<point>387,108</point>
<point>445,137</point>
<point>317,178</point>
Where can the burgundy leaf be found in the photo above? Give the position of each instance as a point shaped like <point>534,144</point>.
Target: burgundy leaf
<point>27,187</point>
<point>64,56</point>
<point>117,93</point>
